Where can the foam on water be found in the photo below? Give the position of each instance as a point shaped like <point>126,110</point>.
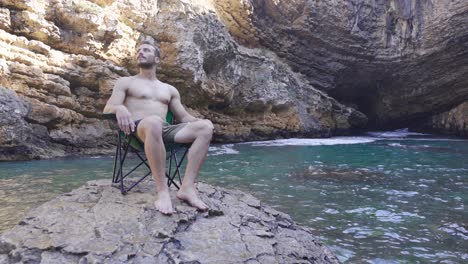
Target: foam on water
<point>402,193</point>
<point>313,141</point>
<point>331,211</point>
<point>387,216</point>
<point>221,150</point>
<point>360,210</point>
<point>438,139</point>
<point>399,133</point>
<point>455,229</point>
<point>359,231</point>
<point>342,253</point>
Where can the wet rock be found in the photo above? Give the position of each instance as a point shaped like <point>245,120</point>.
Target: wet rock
<point>95,223</point>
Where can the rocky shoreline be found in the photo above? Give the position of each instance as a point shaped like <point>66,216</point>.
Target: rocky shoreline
<point>96,224</point>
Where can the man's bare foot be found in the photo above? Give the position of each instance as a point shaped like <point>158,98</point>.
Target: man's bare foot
<point>190,195</point>
<point>163,204</point>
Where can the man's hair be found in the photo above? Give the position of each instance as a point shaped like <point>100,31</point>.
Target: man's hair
<point>156,49</point>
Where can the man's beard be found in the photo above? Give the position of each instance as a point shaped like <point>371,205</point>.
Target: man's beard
<point>146,65</point>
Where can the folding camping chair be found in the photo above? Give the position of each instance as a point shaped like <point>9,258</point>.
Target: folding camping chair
<point>130,143</point>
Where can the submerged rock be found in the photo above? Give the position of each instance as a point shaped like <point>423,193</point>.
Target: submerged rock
<point>321,173</point>
<point>96,224</point>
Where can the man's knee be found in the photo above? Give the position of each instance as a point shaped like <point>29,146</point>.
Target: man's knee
<point>207,128</point>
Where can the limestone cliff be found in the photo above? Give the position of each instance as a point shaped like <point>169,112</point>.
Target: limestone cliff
<point>252,67</point>
<point>452,122</point>
<point>60,58</point>
<point>398,61</point>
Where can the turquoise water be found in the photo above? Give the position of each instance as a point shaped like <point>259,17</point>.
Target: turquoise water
<point>381,198</point>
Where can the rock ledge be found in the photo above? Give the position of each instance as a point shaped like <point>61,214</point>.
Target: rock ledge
<point>96,224</point>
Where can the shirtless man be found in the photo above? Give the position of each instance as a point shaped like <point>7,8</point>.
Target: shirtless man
<point>141,103</point>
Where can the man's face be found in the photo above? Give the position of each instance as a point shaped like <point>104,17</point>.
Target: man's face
<point>146,57</point>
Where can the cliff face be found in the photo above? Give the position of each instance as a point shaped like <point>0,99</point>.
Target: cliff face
<point>398,61</point>
<point>258,69</point>
<point>59,60</point>
<point>453,122</point>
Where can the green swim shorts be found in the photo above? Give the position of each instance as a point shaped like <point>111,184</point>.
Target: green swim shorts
<point>168,131</point>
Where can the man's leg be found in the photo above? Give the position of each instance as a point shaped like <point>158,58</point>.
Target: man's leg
<point>150,132</point>
<point>200,133</point>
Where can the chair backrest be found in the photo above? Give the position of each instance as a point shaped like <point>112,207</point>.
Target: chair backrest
<point>169,117</point>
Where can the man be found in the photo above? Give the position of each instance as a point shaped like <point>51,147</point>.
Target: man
<point>141,103</point>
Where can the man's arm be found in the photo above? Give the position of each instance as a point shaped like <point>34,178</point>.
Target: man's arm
<point>178,109</point>
<point>115,105</point>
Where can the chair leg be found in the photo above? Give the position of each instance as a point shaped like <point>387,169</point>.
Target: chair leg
<point>137,182</point>
<point>143,161</point>
<point>177,166</point>
<point>116,157</point>
<point>121,153</point>
<point>122,160</point>
<point>169,169</point>
<point>118,151</point>
<point>170,178</point>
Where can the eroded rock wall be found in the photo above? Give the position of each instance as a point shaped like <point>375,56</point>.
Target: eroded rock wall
<point>398,61</point>
<point>452,122</point>
<point>62,57</point>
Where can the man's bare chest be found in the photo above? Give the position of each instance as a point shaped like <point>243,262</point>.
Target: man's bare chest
<point>149,92</point>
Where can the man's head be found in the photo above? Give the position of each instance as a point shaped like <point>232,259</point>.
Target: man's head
<point>147,55</point>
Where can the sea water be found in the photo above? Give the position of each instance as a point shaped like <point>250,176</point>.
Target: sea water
<point>384,197</point>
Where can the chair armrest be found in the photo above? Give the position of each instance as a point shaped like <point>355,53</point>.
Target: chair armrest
<point>109,116</point>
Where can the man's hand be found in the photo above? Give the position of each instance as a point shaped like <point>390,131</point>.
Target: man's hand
<point>124,119</point>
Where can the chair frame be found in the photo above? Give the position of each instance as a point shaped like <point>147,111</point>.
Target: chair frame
<point>130,143</point>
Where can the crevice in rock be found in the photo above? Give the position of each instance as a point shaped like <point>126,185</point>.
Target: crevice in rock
<point>163,253</point>
<point>6,247</point>
<point>221,198</point>
<point>214,213</point>
<point>275,248</point>
<point>256,258</point>
<point>97,233</point>
<point>242,238</point>
<point>183,224</point>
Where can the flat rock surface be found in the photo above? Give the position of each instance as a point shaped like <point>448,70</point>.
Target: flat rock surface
<point>96,224</point>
